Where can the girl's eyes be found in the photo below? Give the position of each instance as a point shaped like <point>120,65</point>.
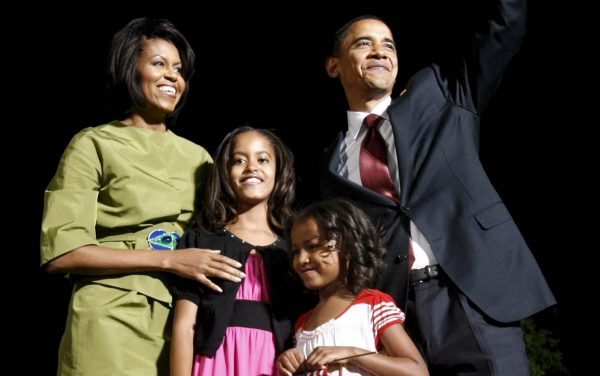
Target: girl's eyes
<point>312,247</point>
<point>238,161</point>
<point>319,249</point>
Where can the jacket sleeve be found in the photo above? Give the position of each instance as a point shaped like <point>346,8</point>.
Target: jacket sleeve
<point>479,71</point>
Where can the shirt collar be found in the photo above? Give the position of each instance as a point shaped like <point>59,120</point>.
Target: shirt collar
<point>356,118</point>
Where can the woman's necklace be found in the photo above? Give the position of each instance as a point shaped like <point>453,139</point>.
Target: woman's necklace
<point>233,234</point>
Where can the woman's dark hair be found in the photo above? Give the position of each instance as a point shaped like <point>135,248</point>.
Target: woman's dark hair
<point>356,238</point>
<point>123,84</point>
<point>220,202</point>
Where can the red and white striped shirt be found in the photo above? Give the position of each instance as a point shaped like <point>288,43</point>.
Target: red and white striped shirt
<point>360,325</point>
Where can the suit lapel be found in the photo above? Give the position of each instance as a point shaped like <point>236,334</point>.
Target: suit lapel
<point>400,120</point>
<point>351,190</point>
<point>331,157</point>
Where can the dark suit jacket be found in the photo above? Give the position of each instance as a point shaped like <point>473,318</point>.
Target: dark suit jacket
<point>445,190</point>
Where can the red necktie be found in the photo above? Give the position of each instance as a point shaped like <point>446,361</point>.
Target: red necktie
<point>374,170</point>
<point>375,173</point>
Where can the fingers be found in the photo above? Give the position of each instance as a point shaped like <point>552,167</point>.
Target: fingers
<point>225,264</point>
<point>321,356</point>
<point>208,283</point>
<point>220,267</point>
<point>212,264</point>
<point>228,261</point>
<point>223,270</point>
<point>285,372</point>
<point>289,362</point>
<point>202,264</point>
<point>285,368</point>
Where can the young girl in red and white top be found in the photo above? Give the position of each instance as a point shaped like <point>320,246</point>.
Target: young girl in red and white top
<point>354,330</point>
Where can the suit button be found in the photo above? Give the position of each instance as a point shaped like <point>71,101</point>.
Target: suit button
<point>405,207</point>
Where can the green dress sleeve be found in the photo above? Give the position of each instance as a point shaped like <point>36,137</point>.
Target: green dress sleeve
<point>70,201</point>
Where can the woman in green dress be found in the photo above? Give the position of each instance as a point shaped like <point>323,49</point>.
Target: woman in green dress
<point>122,194</point>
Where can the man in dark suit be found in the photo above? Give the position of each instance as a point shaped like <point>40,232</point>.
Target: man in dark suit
<point>456,261</point>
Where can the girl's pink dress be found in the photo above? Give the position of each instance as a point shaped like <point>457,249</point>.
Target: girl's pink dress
<point>244,351</point>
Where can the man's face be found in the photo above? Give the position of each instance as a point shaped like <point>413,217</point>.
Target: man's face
<point>368,61</point>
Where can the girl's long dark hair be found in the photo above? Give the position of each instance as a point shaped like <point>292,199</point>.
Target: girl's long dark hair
<point>220,202</point>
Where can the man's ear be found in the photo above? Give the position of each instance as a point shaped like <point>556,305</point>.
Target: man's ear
<point>331,66</point>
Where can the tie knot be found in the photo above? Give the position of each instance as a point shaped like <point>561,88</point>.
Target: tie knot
<point>372,120</point>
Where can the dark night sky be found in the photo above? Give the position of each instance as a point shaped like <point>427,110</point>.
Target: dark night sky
<point>268,71</point>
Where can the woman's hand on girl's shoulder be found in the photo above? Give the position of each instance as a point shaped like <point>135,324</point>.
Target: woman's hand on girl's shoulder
<point>201,264</point>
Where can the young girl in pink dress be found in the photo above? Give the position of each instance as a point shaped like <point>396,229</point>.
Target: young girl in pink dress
<point>240,330</point>
<point>353,330</point>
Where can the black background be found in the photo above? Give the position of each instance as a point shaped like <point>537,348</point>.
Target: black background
<point>265,66</point>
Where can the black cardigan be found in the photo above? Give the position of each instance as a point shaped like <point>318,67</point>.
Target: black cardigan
<point>289,298</point>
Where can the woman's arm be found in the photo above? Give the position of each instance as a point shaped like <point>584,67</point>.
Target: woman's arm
<point>193,263</point>
<point>182,344</point>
